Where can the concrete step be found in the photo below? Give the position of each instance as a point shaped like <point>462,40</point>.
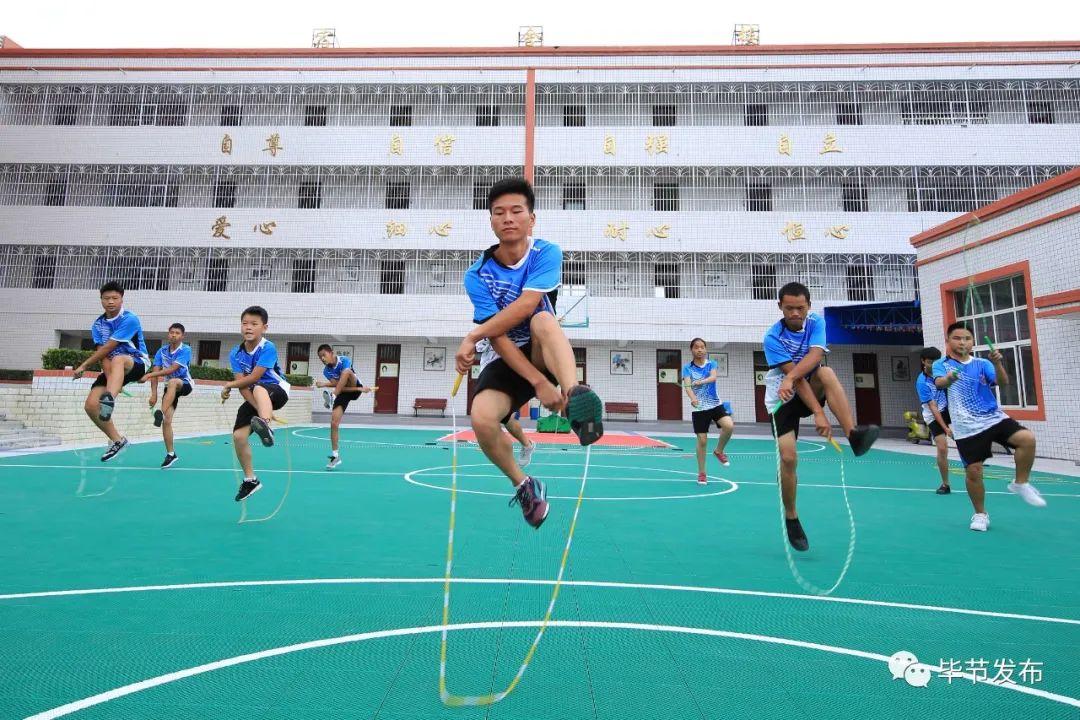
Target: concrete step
<point>27,442</point>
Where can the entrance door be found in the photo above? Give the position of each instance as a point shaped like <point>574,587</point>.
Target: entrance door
<point>867,396</point>
<point>387,366</point>
<point>761,413</point>
<point>668,390</point>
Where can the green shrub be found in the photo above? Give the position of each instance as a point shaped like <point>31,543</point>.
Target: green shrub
<point>60,358</point>
<point>300,380</point>
<point>16,375</point>
<point>205,372</point>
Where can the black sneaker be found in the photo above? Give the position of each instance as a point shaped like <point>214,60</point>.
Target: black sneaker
<point>585,412</point>
<point>159,417</point>
<point>115,449</point>
<point>531,495</point>
<point>262,428</point>
<point>169,461</point>
<point>862,438</point>
<point>248,488</point>
<point>796,536</point>
<point>108,404</point>
<point>944,490</point>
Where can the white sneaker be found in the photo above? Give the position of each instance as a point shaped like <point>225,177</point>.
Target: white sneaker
<point>980,522</point>
<point>327,399</point>
<point>335,460</point>
<point>1028,492</point>
<point>525,454</point>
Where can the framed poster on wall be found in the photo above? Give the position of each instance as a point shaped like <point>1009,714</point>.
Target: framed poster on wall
<point>622,362</point>
<point>721,364</point>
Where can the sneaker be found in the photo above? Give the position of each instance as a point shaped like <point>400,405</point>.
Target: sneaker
<point>525,455</point>
<point>115,449</point>
<point>327,399</point>
<point>262,428</point>
<point>169,461</point>
<point>248,488</point>
<point>796,536</point>
<point>159,418</point>
<point>862,438</point>
<point>723,458</point>
<point>944,490</point>
<point>335,460</point>
<point>531,496</point>
<point>106,407</point>
<point>1028,492</point>
<point>585,412</point>
<point>701,479</point>
<point>980,522</point>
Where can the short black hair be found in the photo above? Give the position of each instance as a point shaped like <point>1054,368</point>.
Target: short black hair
<point>698,340</point>
<point>512,186</point>
<point>930,353</point>
<point>794,289</point>
<point>178,326</point>
<point>112,286</point>
<point>956,326</point>
<point>325,347</point>
<point>256,310</point>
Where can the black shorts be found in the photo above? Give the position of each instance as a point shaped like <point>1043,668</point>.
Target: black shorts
<point>133,375</point>
<point>977,448</point>
<point>184,391</point>
<point>247,412</point>
<point>702,419</point>
<point>342,401</point>
<point>935,426</point>
<point>787,418</point>
<point>499,376</point>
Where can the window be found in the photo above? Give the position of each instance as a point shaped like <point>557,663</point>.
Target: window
<point>666,196</point>
<point>397,196</point>
<point>759,198</point>
<point>217,275</point>
<point>573,116</point>
<point>66,114</point>
<point>573,277</point>
<point>848,114</point>
<point>757,115</point>
<point>763,282</point>
<point>855,198</point>
<point>998,311</point>
<point>224,194</point>
<point>298,352</point>
<point>124,113</point>
<point>232,115</point>
<point>303,277</point>
<point>480,194</point>
<point>209,350</point>
<point>392,277</point>
<point>860,283</point>
<point>172,113</point>
<point>487,116</point>
<point>310,195</point>
<point>666,280</point>
<point>56,192</point>
<point>1040,112</point>
<point>663,115</point>
<point>314,115</point>
<point>44,272</point>
<point>139,273</point>
<point>573,196</point>
<point>400,115</point>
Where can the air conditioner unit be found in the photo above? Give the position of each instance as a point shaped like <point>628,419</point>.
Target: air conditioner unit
<point>298,367</point>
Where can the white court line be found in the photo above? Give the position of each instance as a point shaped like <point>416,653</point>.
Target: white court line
<point>523,581</point>
<point>395,474</point>
<point>732,487</point>
<point>136,687</point>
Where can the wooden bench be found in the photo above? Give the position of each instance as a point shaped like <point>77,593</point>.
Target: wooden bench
<point>433,404</point>
<point>621,408</point>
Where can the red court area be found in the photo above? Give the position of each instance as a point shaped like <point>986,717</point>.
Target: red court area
<point>610,439</point>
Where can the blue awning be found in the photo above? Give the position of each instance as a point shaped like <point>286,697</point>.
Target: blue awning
<point>895,323</point>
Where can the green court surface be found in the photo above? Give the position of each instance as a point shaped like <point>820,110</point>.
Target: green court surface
<point>137,591</point>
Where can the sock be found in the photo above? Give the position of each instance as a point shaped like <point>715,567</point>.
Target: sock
<point>251,479</point>
<point>333,453</point>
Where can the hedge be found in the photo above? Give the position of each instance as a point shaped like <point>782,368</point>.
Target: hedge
<point>60,358</point>
<point>16,375</point>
